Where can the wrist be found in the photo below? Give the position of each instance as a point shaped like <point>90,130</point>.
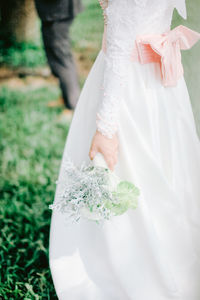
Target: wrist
<point>106,134</point>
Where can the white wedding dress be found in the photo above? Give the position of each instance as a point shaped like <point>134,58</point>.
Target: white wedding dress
<point>153,252</point>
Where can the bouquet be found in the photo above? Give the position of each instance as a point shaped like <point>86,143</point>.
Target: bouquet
<point>94,192</point>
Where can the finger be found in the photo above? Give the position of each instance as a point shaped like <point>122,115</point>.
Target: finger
<point>114,161</point>
<point>111,166</point>
<point>115,157</point>
<point>92,153</point>
<point>111,163</point>
<point>115,148</point>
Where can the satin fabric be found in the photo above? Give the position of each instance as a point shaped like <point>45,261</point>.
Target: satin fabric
<point>166,49</point>
<point>152,252</point>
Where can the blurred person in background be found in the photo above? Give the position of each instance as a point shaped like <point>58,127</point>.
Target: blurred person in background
<point>56,17</point>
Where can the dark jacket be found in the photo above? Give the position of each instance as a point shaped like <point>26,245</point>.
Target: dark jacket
<point>52,10</point>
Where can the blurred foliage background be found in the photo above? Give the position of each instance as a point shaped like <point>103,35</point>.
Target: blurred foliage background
<point>33,137</point>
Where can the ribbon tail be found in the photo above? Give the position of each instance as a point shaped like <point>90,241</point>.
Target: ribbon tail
<point>171,67</point>
<point>188,37</point>
<point>180,38</point>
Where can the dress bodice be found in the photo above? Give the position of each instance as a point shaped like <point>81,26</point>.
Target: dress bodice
<point>129,18</point>
<point>124,21</point>
<point>143,16</point>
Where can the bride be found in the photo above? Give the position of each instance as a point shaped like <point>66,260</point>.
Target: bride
<point>135,109</point>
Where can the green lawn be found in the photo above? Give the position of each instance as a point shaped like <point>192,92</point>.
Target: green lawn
<point>32,141</point>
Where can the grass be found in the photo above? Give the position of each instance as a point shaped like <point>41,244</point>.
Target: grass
<point>87,28</point>
<point>31,150</point>
<point>22,55</point>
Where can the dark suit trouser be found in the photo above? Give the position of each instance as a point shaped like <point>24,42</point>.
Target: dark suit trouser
<point>57,47</point>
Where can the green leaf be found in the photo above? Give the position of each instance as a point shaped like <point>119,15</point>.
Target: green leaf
<point>127,194</point>
<point>127,187</point>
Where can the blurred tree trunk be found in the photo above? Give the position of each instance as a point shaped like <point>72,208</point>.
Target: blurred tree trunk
<point>18,20</point>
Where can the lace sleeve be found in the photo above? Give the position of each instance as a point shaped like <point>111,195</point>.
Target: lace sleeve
<point>114,72</point>
<point>123,21</point>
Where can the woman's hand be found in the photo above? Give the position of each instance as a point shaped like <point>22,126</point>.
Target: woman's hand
<point>106,146</point>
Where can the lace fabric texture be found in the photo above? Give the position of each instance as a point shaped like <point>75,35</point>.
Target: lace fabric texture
<point>104,4</point>
<point>124,20</point>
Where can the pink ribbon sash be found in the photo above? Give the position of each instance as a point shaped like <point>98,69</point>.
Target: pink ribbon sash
<point>166,49</point>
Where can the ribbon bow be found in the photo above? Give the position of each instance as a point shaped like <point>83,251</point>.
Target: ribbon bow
<point>165,48</point>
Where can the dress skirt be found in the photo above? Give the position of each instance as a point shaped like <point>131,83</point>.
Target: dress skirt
<point>152,252</point>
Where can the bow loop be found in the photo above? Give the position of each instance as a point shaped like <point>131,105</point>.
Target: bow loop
<point>166,49</point>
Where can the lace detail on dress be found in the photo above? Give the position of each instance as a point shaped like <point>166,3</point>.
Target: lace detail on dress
<point>125,19</point>
<point>141,3</point>
<point>114,80</point>
<point>107,119</point>
<point>104,4</point>
<point>116,63</point>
